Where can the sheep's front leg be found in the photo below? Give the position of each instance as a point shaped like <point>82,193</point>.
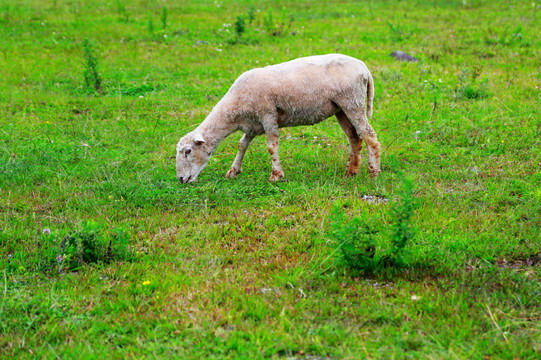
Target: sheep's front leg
<point>236,167</point>
<point>271,129</point>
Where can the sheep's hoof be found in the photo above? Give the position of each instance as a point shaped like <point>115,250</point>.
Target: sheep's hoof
<point>351,172</point>
<point>233,173</point>
<point>276,175</point>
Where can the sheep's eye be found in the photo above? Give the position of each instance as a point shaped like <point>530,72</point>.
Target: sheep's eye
<point>187,152</point>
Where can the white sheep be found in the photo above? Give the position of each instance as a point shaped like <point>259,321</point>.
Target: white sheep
<point>304,91</point>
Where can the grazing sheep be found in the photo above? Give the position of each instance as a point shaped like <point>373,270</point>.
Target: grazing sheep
<point>304,91</point>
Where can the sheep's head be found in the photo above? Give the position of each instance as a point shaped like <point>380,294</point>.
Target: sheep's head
<point>192,157</point>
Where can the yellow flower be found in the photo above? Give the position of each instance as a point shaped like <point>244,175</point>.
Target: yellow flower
<point>146,282</point>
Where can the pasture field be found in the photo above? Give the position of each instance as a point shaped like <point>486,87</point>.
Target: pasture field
<point>103,254</point>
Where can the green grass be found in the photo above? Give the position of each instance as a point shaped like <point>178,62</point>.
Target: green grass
<point>247,268</point>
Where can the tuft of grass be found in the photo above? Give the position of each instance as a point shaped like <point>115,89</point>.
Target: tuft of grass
<point>164,17</point>
<point>278,25</point>
<point>91,75</point>
<point>150,25</point>
<point>122,12</point>
<point>470,87</point>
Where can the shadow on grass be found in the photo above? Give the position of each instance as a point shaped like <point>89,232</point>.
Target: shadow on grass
<point>520,286</point>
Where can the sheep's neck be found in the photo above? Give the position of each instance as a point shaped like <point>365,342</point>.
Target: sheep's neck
<point>218,125</point>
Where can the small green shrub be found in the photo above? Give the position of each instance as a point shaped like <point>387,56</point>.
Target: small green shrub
<point>371,242</point>
<point>164,17</point>
<point>251,14</point>
<point>402,231</point>
<point>92,243</point>
<point>240,26</point>
<point>150,25</point>
<point>92,77</point>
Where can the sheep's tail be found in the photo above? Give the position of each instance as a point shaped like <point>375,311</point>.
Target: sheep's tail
<point>370,96</point>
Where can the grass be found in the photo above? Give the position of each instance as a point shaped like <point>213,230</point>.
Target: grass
<point>245,268</point>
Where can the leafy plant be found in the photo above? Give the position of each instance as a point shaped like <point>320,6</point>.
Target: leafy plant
<point>92,243</point>
<point>164,17</point>
<point>92,77</point>
<point>402,212</point>
<point>150,25</point>
<point>370,242</point>
<point>240,26</point>
<point>251,14</point>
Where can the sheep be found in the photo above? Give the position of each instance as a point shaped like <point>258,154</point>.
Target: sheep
<point>303,91</point>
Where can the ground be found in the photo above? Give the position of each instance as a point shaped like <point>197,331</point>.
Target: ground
<point>104,254</point>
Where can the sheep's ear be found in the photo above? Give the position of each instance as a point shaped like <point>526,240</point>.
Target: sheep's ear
<point>198,139</point>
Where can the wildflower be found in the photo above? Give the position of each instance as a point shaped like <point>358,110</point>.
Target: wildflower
<point>46,231</point>
<point>146,282</point>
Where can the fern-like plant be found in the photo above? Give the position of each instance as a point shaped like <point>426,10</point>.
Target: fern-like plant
<point>92,77</point>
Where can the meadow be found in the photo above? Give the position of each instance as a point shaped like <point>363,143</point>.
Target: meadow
<point>103,254</point>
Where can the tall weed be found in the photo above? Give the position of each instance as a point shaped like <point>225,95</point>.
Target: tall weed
<point>92,77</point>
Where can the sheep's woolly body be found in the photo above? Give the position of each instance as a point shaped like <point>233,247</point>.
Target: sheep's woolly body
<point>304,91</point>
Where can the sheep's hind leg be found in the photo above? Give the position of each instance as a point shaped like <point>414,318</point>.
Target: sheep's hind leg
<point>355,144</point>
<point>366,132</point>
<point>236,167</point>
<point>271,129</point>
